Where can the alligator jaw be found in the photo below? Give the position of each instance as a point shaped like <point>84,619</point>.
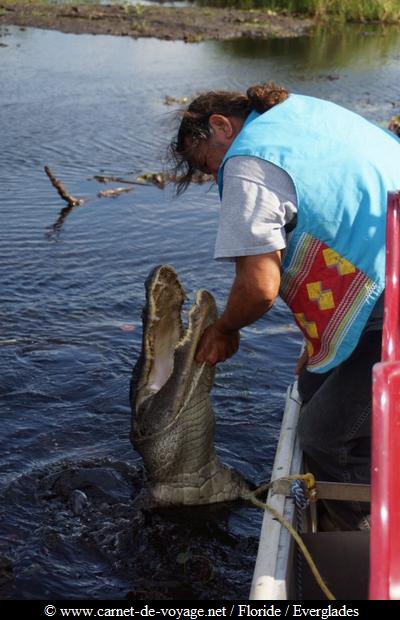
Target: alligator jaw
<point>162,330</point>
<point>173,421</point>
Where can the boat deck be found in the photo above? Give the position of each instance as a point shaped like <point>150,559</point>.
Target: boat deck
<point>342,558</point>
<point>343,561</point>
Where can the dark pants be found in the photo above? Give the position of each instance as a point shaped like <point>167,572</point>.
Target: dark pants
<point>335,425</point>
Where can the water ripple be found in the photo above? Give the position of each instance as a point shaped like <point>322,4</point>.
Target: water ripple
<point>72,293</point>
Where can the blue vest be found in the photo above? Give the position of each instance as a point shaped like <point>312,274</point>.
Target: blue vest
<point>342,167</point>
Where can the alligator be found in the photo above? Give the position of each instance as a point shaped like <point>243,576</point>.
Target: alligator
<point>172,417</point>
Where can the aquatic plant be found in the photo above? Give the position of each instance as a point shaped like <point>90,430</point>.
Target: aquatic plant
<point>349,10</point>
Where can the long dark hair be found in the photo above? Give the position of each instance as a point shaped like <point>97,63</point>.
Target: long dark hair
<point>194,125</point>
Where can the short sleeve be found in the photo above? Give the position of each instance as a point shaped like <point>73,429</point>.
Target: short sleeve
<point>258,200</point>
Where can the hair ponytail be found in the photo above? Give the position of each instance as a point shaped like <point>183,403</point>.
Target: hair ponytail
<point>263,97</point>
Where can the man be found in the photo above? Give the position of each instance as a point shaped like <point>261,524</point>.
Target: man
<point>303,186</point>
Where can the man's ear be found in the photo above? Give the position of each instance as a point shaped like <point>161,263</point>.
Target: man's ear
<point>221,126</point>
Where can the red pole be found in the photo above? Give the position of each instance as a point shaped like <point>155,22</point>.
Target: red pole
<point>391,325</point>
<point>385,499</point>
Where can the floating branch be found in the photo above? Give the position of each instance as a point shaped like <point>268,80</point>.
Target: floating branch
<point>159,179</point>
<point>65,211</point>
<point>102,179</point>
<point>156,178</point>
<point>106,193</point>
<point>168,100</point>
<point>71,200</point>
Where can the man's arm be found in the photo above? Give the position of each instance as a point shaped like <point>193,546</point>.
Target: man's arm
<point>254,290</point>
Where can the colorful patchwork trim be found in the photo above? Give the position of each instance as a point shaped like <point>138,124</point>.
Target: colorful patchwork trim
<point>326,293</point>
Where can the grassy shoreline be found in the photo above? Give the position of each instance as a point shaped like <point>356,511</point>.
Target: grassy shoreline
<point>191,24</point>
<point>383,11</point>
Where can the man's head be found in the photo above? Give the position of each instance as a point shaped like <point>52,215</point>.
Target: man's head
<point>210,124</point>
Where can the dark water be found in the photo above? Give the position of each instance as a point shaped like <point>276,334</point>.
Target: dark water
<point>70,324</point>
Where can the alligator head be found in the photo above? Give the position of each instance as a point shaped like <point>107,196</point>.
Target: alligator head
<point>172,417</point>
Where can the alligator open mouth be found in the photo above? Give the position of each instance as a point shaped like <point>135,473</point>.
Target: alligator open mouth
<point>173,421</point>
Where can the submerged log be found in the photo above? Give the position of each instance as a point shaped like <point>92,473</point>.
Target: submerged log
<point>168,100</point>
<point>104,179</point>
<point>71,200</point>
<point>160,179</point>
<point>117,191</point>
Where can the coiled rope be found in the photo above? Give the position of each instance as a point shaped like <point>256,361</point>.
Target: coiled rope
<point>252,497</point>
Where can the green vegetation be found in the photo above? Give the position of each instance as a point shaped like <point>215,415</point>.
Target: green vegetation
<point>383,11</point>
<point>348,10</point>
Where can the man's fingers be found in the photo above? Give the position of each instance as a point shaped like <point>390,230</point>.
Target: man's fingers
<point>215,347</point>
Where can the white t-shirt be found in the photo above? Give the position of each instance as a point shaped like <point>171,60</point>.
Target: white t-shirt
<point>258,200</point>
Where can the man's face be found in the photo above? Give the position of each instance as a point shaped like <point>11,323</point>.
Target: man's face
<point>208,153</point>
<point>207,156</point>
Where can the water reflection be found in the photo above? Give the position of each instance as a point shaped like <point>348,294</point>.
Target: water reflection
<point>356,46</point>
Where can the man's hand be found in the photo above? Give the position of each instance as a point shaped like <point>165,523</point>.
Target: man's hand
<point>216,345</point>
